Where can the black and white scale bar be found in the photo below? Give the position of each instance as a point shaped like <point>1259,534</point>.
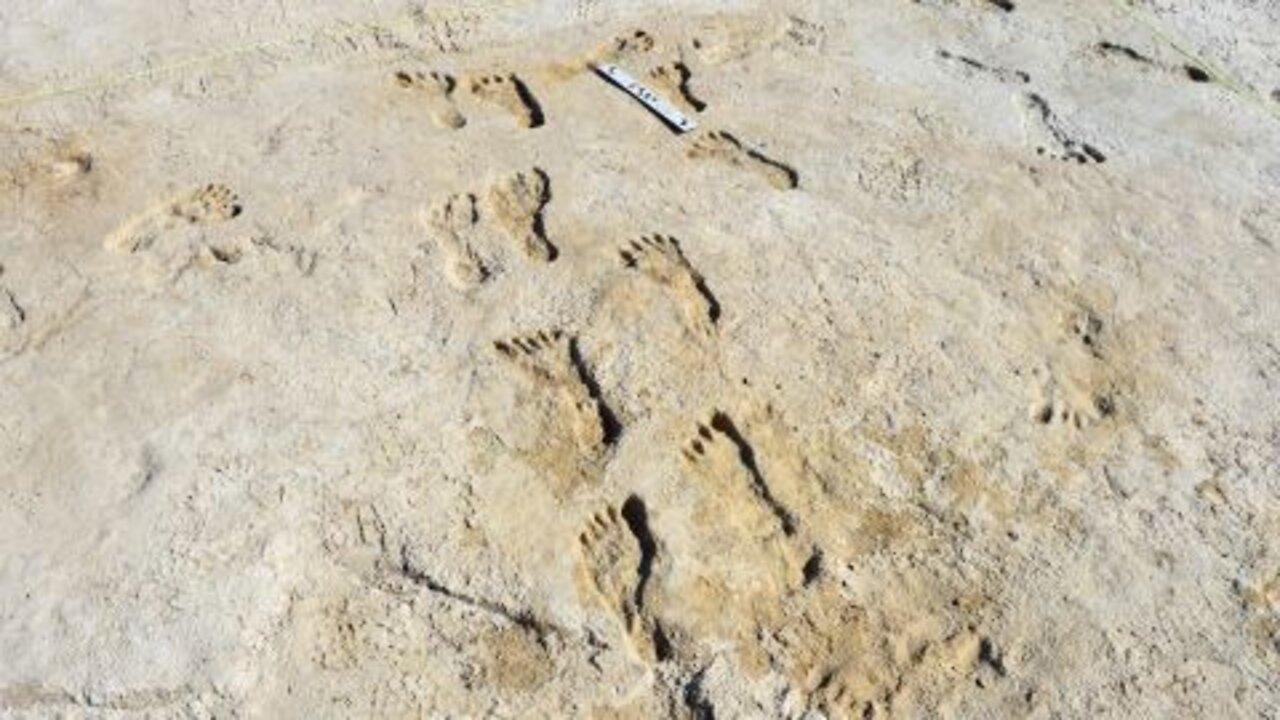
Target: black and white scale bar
<point>663,109</point>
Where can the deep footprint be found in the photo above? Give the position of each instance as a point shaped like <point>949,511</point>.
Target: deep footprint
<point>721,457</point>
<point>511,94</point>
<point>617,553</point>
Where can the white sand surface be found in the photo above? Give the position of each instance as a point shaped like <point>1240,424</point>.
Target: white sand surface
<point>376,360</point>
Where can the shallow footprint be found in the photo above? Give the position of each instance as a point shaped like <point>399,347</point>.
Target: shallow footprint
<point>511,94</point>
<point>615,565</point>
<point>518,202</point>
<point>724,147</point>
<point>451,223</point>
<point>212,203</point>
<point>437,89</point>
<point>1073,405</point>
<point>660,258</point>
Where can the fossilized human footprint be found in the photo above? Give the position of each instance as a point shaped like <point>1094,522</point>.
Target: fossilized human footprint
<point>452,224</point>
<point>436,89</point>
<point>518,202</point>
<point>212,203</point>
<point>726,148</point>
<point>616,562</point>
<point>660,258</point>
<point>509,92</point>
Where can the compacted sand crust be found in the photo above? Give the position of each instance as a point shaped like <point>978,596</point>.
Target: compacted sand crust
<point>383,361</point>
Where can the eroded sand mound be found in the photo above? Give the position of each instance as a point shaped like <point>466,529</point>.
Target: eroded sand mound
<point>409,369</point>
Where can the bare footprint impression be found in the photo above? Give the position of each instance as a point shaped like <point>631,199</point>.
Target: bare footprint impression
<point>212,203</point>
<point>723,147</point>
<point>674,80</point>
<point>436,89</point>
<point>560,425</point>
<point>616,564</point>
<point>719,456</point>
<point>547,358</point>
<point>660,258</point>
<point>1073,404</point>
<point>510,93</point>
<point>452,224</point>
<point>463,227</point>
<point>518,201</point>
<point>749,518</point>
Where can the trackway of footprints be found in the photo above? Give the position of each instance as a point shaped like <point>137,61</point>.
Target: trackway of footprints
<point>502,92</point>
<point>479,233</point>
<point>463,225</point>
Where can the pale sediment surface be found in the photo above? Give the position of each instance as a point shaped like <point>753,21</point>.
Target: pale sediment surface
<point>383,361</point>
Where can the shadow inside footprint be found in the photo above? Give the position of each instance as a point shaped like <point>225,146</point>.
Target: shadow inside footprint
<point>609,425</point>
<point>721,422</point>
<point>637,517</point>
<point>536,117</point>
